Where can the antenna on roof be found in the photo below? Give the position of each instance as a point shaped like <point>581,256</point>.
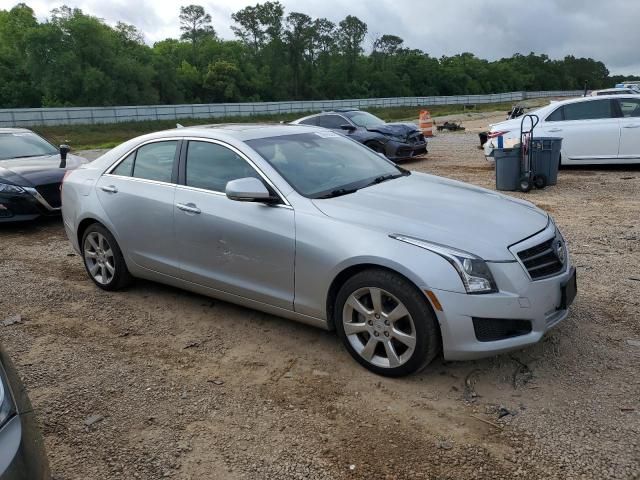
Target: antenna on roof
<point>179,126</point>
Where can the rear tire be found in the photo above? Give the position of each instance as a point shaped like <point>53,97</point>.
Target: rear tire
<point>103,259</point>
<point>386,323</point>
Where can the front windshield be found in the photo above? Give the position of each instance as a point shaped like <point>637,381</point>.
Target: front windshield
<point>24,144</point>
<point>364,119</point>
<point>320,164</point>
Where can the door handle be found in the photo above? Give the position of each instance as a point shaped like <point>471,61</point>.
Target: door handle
<point>109,189</point>
<point>633,125</point>
<point>189,207</point>
<point>555,129</point>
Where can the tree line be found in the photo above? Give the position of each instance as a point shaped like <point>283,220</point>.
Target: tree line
<point>75,59</point>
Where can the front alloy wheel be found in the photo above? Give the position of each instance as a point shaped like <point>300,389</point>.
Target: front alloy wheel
<point>379,327</point>
<point>386,323</point>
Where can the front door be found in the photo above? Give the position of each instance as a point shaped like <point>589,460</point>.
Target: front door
<point>137,196</point>
<point>243,248</point>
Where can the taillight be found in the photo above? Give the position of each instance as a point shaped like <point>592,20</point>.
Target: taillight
<point>498,133</point>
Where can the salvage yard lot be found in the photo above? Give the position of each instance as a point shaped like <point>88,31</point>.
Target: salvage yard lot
<point>156,382</point>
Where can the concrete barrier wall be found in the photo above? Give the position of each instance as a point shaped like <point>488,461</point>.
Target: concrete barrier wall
<point>27,117</point>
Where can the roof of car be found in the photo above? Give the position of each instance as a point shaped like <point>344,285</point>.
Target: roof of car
<point>14,130</point>
<point>242,131</point>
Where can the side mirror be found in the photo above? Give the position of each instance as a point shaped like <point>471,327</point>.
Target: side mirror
<point>64,149</point>
<point>347,127</point>
<point>248,189</point>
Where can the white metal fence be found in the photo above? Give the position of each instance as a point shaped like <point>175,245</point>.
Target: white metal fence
<point>27,117</point>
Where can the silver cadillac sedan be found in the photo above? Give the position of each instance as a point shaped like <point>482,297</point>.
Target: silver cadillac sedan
<point>307,224</point>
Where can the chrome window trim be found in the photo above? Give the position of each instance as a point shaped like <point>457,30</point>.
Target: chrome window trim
<point>220,194</point>
<point>41,199</point>
<point>195,139</point>
<point>139,180</point>
<point>241,155</point>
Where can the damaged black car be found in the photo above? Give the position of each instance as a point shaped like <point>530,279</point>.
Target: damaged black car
<point>397,141</point>
<point>31,173</point>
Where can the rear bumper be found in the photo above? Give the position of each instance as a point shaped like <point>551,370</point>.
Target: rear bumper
<point>538,303</point>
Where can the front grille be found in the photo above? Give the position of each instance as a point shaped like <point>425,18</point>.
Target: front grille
<point>542,260</point>
<point>404,152</point>
<point>492,329</point>
<point>51,193</point>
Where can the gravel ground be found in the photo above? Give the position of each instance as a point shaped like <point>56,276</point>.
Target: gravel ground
<point>155,382</point>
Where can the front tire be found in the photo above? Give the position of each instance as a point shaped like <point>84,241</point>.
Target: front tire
<point>386,323</point>
<point>103,259</point>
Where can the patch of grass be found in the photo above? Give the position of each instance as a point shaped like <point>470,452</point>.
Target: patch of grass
<point>84,137</point>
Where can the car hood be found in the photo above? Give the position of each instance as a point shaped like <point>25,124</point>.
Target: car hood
<point>395,129</point>
<point>32,171</point>
<point>477,220</point>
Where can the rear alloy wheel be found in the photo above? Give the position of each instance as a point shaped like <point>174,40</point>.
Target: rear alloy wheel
<point>386,323</point>
<point>103,259</point>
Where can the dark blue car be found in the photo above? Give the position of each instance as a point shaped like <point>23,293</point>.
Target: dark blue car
<point>397,141</point>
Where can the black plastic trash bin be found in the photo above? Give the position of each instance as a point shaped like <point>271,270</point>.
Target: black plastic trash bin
<point>508,162</point>
<point>545,157</point>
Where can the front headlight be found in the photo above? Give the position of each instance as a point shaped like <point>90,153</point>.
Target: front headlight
<point>474,272</point>
<point>8,188</point>
<point>7,407</point>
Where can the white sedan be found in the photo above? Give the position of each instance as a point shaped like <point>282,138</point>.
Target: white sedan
<point>594,130</point>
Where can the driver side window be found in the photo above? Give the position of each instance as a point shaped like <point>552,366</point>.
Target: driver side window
<point>211,166</point>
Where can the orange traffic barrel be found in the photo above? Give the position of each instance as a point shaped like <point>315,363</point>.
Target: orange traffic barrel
<point>425,123</point>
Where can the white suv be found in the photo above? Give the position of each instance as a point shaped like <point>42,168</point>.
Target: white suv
<point>594,130</point>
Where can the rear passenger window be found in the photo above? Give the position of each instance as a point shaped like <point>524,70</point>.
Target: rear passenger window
<point>331,121</point>
<point>211,166</point>
<point>556,116</point>
<point>588,110</point>
<point>630,107</point>
<point>125,169</point>
<point>310,121</point>
<point>155,161</point>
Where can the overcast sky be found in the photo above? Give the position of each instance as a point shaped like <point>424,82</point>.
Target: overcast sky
<point>604,30</point>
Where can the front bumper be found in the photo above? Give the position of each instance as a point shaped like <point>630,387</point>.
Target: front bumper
<point>24,206</point>
<point>535,303</point>
<point>397,151</point>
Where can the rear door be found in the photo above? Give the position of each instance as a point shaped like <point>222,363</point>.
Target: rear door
<point>137,195</point>
<point>589,130</point>
<point>243,248</point>
<point>630,128</point>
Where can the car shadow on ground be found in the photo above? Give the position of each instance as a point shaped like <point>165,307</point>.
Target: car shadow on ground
<point>30,226</point>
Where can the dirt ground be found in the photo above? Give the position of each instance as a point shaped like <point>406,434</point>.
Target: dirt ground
<point>156,383</point>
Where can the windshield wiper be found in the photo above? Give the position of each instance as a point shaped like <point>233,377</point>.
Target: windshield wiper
<point>339,192</point>
<point>389,176</point>
<point>29,156</point>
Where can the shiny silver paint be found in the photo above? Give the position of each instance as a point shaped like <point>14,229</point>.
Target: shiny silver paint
<point>283,259</point>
